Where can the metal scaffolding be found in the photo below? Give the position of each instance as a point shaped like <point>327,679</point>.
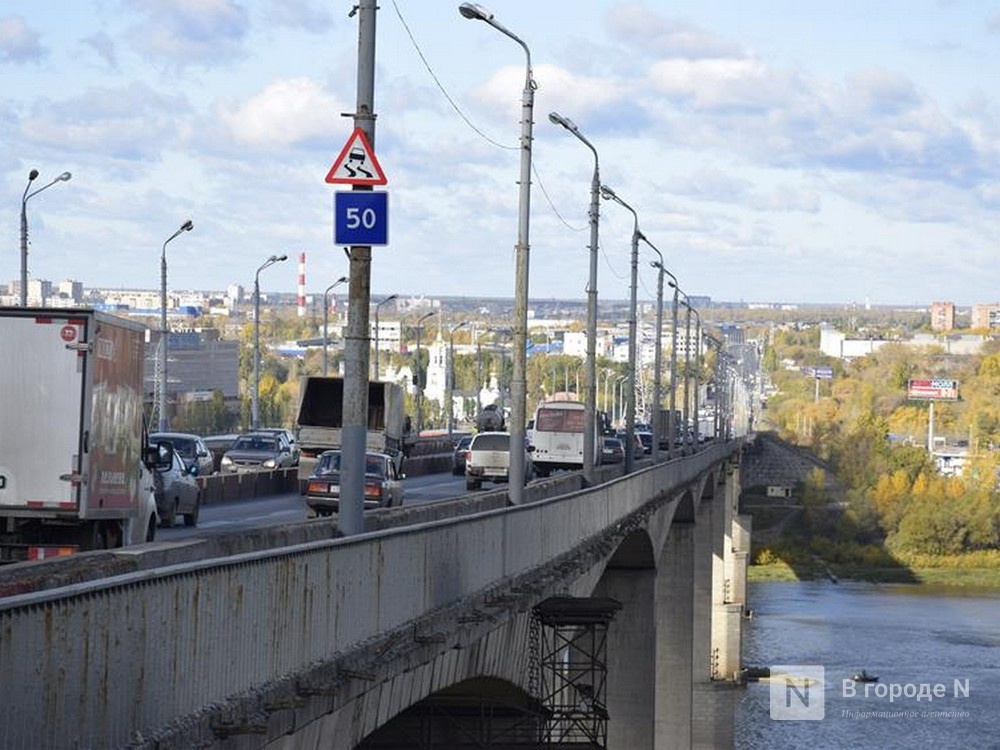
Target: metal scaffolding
<point>569,662</point>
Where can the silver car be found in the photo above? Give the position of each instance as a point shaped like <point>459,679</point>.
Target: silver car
<point>176,490</point>
<point>192,449</point>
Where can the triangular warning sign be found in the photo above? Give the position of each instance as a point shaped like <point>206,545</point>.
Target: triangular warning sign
<point>357,164</point>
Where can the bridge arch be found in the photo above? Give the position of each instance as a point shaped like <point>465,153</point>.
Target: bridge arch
<point>474,713</point>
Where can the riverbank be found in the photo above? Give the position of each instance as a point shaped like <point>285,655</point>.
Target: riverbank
<point>967,577</point>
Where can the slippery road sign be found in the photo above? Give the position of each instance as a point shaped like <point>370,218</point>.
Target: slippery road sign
<point>356,164</point>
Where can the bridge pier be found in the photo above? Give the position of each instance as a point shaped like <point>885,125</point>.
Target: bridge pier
<point>631,662</point>
<point>675,638</point>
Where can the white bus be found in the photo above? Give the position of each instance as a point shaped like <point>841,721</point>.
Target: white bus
<point>558,437</point>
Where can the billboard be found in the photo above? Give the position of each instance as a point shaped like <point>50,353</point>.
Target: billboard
<point>938,389</point>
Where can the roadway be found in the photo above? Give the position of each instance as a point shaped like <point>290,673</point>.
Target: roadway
<point>289,507</point>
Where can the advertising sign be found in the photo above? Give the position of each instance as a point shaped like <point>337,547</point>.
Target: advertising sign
<point>938,389</point>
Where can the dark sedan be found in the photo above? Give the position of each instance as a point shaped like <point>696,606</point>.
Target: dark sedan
<point>458,455</point>
<point>383,485</point>
<point>613,451</point>
<point>254,452</point>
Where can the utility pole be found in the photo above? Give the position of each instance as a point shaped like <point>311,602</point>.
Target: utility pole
<point>351,517</point>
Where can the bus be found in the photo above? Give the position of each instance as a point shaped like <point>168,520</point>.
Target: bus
<point>558,437</point>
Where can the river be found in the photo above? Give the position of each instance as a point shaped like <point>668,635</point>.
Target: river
<point>908,635</point>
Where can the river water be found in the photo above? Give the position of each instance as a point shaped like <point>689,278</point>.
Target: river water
<point>908,635</point>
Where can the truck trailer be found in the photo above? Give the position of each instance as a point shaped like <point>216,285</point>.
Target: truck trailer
<point>321,420</point>
<point>75,471</point>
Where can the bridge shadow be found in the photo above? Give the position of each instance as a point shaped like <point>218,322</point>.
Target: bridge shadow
<point>802,518</point>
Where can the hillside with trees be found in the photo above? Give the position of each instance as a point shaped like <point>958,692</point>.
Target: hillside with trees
<point>876,441</point>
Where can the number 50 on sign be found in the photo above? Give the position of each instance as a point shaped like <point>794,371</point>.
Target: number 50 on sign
<point>361,217</point>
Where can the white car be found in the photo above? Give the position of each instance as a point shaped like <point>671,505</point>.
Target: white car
<point>488,460</point>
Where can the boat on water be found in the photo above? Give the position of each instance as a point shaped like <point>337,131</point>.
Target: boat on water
<point>863,676</point>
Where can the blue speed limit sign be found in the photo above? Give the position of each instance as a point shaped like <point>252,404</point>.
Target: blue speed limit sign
<point>361,217</point>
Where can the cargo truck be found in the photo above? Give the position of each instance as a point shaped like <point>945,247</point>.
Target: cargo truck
<point>75,468</point>
<point>666,436</point>
<point>321,419</point>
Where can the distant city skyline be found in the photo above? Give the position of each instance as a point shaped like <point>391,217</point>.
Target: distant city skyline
<point>798,152</point>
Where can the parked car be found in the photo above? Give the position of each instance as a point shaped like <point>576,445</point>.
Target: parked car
<point>256,451</point>
<point>383,485</point>
<point>488,459</point>
<point>192,449</point>
<point>458,455</point>
<point>288,436</point>
<point>613,451</point>
<point>175,488</point>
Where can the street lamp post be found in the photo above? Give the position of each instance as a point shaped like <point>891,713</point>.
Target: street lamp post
<point>687,351</point>
<point>622,395</point>
<point>417,374</point>
<point>658,358</point>
<point>390,298</point>
<point>519,380</point>
<point>590,400</point>
<point>479,376</point>
<point>697,370</point>
<point>450,374</point>
<point>609,194</point>
<point>255,406</point>
<point>163,421</point>
<point>673,365</point>
<point>717,378</point>
<point>326,318</point>
<point>32,175</point>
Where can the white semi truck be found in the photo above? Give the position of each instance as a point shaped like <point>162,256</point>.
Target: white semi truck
<point>75,471</point>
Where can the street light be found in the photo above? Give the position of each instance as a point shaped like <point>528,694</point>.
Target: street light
<point>658,359</point>
<point>450,373</point>
<point>687,366</point>
<point>609,194</point>
<point>326,317</point>
<point>32,175</point>
<point>697,369</point>
<point>590,400</point>
<point>390,298</point>
<point>163,422</point>
<point>673,365</point>
<point>416,372</point>
<point>518,380</point>
<point>255,410</point>
<point>720,391</point>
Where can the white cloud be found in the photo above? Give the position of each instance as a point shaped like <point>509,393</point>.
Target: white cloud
<point>190,31</point>
<point>284,113</point>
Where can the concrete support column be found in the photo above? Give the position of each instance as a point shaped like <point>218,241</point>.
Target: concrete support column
<point>702,594</point>
<point>631,657</point>
<point>741,559</point>
<point>727,614</point>
<point>674,644</point>
<point>713,701</point>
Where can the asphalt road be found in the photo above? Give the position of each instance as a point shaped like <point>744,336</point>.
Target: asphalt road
<point>275,510</point>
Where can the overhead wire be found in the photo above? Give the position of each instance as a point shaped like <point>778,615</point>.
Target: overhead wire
<point>472,125</point>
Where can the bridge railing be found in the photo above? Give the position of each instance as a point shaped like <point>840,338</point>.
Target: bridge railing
<point>101,663</point>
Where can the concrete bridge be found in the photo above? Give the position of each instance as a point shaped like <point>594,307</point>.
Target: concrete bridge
<point>607,616</point>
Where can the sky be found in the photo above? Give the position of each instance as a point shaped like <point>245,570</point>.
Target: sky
<point>777,151</point>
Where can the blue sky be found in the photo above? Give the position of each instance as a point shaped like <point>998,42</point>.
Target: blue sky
<point>774,151</point>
